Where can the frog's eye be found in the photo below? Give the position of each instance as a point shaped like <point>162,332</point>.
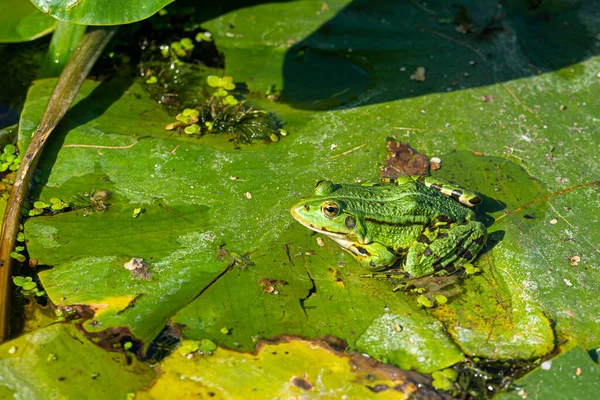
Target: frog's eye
<point>330,209</point>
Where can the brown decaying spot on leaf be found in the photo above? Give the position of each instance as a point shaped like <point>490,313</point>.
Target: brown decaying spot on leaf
<point>302,383</point>
<point>112,339</point>
<point>368,370</point>
<point>337,276</point>
<point>221,252</point>
<point>403,160</point>
<point>269,285</point>
<point>139,268</point>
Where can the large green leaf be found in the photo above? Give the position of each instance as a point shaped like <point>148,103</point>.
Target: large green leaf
<point>100,12</point>
<point>60,362</point>
<point>290,367</point>
<point>20,21</point>
<point>533,160</point>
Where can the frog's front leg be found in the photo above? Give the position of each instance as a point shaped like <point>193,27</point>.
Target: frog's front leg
<point>438,248</point>
<point>373,256</point>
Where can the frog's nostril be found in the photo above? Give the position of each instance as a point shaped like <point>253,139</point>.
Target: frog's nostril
<point>306,207</point>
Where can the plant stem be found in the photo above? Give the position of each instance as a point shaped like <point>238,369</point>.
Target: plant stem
<point>64,41</point>
<point>72,77</point>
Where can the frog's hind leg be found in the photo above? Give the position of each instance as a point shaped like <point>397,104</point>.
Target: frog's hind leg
<point>443,250</point>
<point>463,196</point>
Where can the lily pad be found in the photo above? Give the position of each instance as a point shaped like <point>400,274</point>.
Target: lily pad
<point>48,363</point>
<point>289,367</point>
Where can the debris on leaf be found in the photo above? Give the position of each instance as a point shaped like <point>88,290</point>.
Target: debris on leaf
<point>240,260</point>
<point>138,268</point>
<point>462,19</point>
<point>269,285</point>
<point>488,99</point>
<point>435,163</point>
<point>320,242</point>
<point>574,260</point>
<point>93,202</point>
<point>223,112</point>
<point>403,160</point>
<point>418,75</point>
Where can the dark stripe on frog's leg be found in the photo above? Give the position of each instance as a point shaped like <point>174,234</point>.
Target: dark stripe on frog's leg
<point>457,192</point>
<point>444,218</point>
<point>423,239</point>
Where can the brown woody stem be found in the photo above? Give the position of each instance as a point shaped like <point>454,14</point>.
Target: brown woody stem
<point>72,77</point>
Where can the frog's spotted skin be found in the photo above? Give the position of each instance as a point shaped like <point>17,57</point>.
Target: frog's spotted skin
<point>413,221</point>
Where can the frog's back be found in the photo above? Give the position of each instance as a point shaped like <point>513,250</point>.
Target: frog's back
<point>394,203</point>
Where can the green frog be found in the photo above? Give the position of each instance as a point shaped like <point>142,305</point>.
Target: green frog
<point>425,224</point>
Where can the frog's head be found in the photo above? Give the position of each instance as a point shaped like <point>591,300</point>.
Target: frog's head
<point>326,213</point>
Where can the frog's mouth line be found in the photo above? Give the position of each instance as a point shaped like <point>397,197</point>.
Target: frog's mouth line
<point>340,238</point>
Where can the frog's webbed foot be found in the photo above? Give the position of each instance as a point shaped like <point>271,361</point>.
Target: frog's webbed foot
<point>398,277</point>
<point>443,252</point>
<point>445,285</point>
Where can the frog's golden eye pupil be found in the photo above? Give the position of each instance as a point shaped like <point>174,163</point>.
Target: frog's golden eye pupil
<point>330,210</point>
